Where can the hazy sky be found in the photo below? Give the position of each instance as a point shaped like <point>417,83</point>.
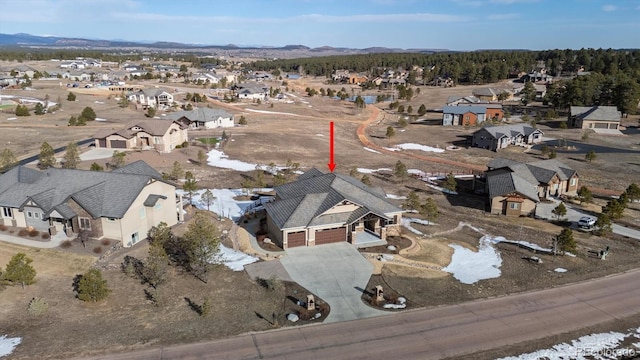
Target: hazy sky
<point>445,24</point>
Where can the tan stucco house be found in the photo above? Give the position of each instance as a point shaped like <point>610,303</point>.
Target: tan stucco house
<point>516,188</point>
<point>595,117</point>
<point>120,205</point>
<point>161,135</point>
<point>323,208</point>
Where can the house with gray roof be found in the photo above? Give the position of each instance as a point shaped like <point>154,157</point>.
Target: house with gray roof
<point>121,205</point>
<point>322,208</point>
<point>499,137</point>
<point>492,94</point>
<point>595,117</point>
<point>471,114</point>
<point>157,134</point>
<point>154,98</point>
<point>203,118</point>
<point>516,188</point>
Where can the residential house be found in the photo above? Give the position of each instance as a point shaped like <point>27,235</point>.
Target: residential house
<point>471,114</point>
<point>251,92</point>
<point>151,98</point>
<point>516,188</point>
<point>72,64</point>
<point>121,205</point>
<point>161,135</point>
<point>357,79</point>
<point>594,117</point>
<point>210,78</point>
<point>323,208</point>
<point>492,94</point>
<point>499,137</point>
<point>203,118</point>
<point>340,76</point>
<point>463,100</point>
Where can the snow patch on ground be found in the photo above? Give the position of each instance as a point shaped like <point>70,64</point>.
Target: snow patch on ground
<point>406,222</point>
<point>469,267</point>
<point>392,149</point>
<point>218,159</point>
<point>271,112</point>
<point>560,270</point>
<point>396,197</point>
<point>7,344</point>
<point>594,346</point>
<point>371,150</point>
<point>224,203</point>
<point>413,146</point>
<point>371,171</point>
<point>319,135</point>
<point>234,259</point>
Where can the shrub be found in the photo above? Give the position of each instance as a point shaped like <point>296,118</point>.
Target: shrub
<point>66,244</point>
<point>97,249</point>
<point>34,233</point>
<point>37,307</point>
<point>23,232</point>
<point>185,144</point>
<point>205,309</point>
<point>3,228</point>
<point>105,242</point>
<point>44,236</point>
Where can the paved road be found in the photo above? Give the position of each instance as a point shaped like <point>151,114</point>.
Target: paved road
<point>337,273</point>
<point>544,210</point>
<point>433,333</point>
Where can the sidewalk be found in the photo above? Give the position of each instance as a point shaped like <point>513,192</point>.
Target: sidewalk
<point>54,242</point>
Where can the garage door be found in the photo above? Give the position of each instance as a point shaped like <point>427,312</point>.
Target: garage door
<point>102,143</point>
<point>331,236</point>
<point>118,144</point>
<point>296,239</point>
<point>601,125</point>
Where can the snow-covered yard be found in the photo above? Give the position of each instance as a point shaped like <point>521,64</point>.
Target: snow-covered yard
<point>419,147</point>
<point>470,266</point>
<point>224,203</point>
<point>233,259</point>
<point>594,346</point>
<point>7,345</point>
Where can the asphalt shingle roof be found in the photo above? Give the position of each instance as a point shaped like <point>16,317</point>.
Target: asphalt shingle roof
<point>303,202</point>
<point>511,130</point>
<point>200,114</point>
<point>101,194</point>
<point>596,113</point>
<point>155,127</point>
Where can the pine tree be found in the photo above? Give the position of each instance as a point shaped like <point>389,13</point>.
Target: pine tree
<point>413,201</point>
<point>156,265</point>
<point>208,198</point>
<point>429,209</point>
<point>96,167</point>
<point>71,156</point>
<point>590,156</point>
<point>177,172</point>
<point>202,240</point>
<point>71,97</point>
<point>560,211</point>
<point>366,180</point>
<point>202,158</point>
<point>47,157</point>
<point>19,270</point>
<point>390,132</point>
<point>39,109</point>
<point>7,160</point>
<point>190,185</point>
<point>566,242</point>
<point>117,159</point>
<point>584,194</point>
<point>450,182</point>
<point>92,287</point>
<point>400,170</point>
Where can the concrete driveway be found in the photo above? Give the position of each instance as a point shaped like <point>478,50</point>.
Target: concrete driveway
<point>335,272</point>
<point>544,210</point>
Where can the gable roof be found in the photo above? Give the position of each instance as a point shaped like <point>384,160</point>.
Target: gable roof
<point>101,194</point>
<point>511,130</point>
<point>303,202</point>
<point>459,110</point>
<point>154,127</point>
<point>200,114</point>
<point>596,113</point>
<point>507,176</point>
<point>487,91</point>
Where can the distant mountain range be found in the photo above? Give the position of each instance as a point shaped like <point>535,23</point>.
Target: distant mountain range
<point>28,40</point>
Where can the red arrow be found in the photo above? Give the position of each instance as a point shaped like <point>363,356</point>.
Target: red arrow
<point>331,164</point>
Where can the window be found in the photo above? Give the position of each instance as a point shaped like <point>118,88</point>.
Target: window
<point>85,223</point>
<point>36,215</point>
<point>6,212</point>
<point>573,181</point>
<point>514,206</point>
<point>158,205</point>
<point>29,214</point>
<point>143,213</point>
<point>134,238</point>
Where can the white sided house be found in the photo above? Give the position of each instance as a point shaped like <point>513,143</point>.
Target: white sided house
<point>121,205</point>
<point>151,98</point>
<point>203,118</point>
<point>499,137</point>
<point>323,208</point>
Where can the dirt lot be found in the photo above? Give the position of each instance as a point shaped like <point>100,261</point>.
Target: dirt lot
<point>300,134</point>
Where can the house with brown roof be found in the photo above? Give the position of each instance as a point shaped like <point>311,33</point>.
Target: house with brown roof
<point>595,117</point>
<point>157,134</point>
<point>121,205</point>
<point>463,114</point>
<point>516,188</point>
<point>322,208</point>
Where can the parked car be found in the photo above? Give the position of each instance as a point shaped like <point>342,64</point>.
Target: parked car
<point>586,222</point>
